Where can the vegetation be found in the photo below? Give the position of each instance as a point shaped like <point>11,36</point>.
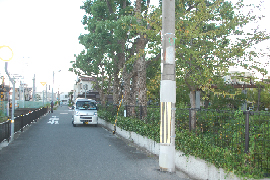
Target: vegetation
<point>122,50</point>
<point>3,118</point>
<point>70,103</point>
<point>218,139</point>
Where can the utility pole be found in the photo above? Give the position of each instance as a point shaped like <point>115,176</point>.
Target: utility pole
<point>13,103</point>
<point>34,88</point>
<point>20,93</point>
<point>43,98</point>
<point>52,86</point>
<point>46,94</point>
<point>167,88</point>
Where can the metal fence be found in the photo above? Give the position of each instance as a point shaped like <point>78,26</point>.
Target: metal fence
<point>20,122</point>
<point>127,110</point>
<point>32,104</point>
<point>237,131</point>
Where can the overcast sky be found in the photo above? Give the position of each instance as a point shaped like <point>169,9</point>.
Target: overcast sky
<point>44,38</point>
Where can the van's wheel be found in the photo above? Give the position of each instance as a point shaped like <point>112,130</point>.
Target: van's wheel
<point>74,125</point>
<point>95,125</point>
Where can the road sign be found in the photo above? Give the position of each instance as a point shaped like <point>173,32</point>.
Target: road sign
<point>43,83</point>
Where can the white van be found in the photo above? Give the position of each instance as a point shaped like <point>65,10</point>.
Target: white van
<point>85,112</point>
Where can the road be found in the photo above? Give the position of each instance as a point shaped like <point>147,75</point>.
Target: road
<point>53,149</point>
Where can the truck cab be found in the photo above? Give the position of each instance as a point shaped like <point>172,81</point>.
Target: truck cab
<point>85,112</point>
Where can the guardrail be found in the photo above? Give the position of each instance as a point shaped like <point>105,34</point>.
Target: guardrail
<point>20,122</point>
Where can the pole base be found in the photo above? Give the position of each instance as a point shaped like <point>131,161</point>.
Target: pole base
<point>167,158</point>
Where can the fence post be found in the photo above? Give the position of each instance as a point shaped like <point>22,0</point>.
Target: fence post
<point>36,113</point>
<point>189,119</point>
<point>246,131</point>
<point>21,122</point>
<point>9,132</point>
<point>126,110</point>
<point>141,109</point>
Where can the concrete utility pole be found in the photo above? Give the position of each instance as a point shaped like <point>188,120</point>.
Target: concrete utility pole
<point>43,98</point>
<point>13,103</point>
<point>52,86</point>
<point>20,93</point>
<point>167,88</point>
<point>34,88</point>
<point>23,96</point>
<point>46,95</point>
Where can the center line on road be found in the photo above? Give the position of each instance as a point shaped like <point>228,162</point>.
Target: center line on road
<point>63,113</point>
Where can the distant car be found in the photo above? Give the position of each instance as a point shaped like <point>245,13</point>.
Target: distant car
<point>85,112</point>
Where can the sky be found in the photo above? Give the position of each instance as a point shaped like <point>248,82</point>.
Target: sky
<point>262,25</point>
<point>43,36</point>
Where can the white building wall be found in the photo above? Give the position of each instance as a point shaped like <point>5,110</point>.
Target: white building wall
<point>64,98</point>
<point>78,87</point>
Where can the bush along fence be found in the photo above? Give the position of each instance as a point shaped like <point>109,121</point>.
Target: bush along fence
<point>20,122</point>
<point>237,141</point>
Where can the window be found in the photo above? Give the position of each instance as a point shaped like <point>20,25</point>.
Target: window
<point>84,105</point>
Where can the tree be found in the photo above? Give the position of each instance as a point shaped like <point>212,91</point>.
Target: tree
<point>118,34</point>
<point>259,97</point>
<point>204,46</point>
<point>104,44</point>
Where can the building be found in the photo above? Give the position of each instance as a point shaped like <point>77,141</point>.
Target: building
<point>64,98</point>
<point>237,77</point>
<point>23,93</point>
<point>83,85</point>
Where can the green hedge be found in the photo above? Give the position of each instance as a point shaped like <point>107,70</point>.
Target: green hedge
<point>211,126</point>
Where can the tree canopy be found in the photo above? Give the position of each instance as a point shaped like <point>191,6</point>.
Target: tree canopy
<point>122,48</point>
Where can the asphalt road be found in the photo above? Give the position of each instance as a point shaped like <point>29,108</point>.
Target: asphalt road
<point>56,150</point>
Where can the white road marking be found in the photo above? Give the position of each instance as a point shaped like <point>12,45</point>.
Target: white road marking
<point>53,120</point>
<point>63,113</point>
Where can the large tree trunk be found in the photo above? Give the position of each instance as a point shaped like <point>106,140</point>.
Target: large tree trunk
<point>100,89</point>
<point>127,95</point>
<point>109,88</point>
<point>119,64</point>
<point>141,65</point>
<point>142,96</point>
<point>192,97</point>
<point>116,90</point>
<point>134,91</point>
